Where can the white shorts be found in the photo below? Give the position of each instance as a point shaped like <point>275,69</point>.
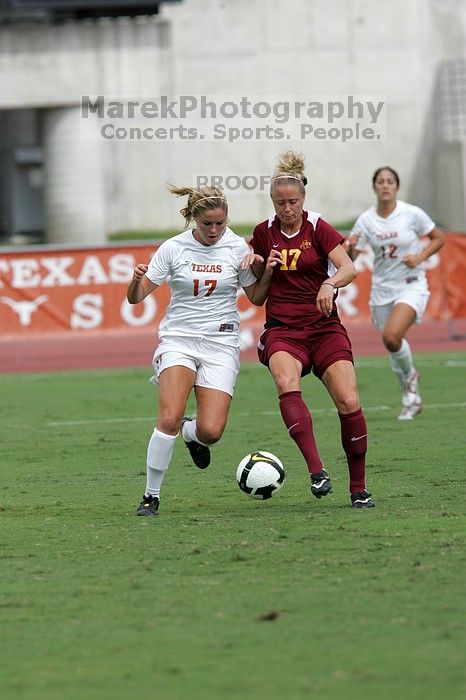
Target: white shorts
<point>216,365</point>
<point>415,298</point>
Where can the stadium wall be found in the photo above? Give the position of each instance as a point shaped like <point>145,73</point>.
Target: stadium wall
<point>324,48</point>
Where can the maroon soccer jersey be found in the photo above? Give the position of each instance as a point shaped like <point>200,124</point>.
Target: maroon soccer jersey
<point>295,283</point>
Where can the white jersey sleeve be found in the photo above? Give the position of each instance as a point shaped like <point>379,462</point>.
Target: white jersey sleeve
<point>422,223</point>
<point>161,262</point>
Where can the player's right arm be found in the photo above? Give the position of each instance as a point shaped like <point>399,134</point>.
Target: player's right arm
<point>350,245</point>
<point>257,293</point>
<point>140,286</point>
<point>358,238</point>
<point>257,258</point>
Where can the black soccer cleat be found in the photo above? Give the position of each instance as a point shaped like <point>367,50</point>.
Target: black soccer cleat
<point>362,499</point>
<point>149,506</point>
<point>200,454</point>
<point>321,484</point>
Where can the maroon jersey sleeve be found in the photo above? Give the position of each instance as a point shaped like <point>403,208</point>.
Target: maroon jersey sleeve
<point>258,241</point>
<point>326,237</point>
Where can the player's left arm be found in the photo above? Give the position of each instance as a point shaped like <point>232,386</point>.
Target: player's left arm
<point>437,239</point>
<point>345,273</point>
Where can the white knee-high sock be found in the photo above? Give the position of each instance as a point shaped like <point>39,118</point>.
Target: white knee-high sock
<point>159,454</point>
<point>189,433</point>
<point>402,361</point>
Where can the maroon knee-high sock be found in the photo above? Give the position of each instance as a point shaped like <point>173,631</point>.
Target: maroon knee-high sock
<point>298,420</point>
<point>354,441</point>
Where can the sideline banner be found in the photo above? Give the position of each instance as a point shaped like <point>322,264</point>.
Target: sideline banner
<point>83,290</point>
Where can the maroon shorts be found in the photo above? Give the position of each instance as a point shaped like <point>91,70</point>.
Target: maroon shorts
<point>315,347</point>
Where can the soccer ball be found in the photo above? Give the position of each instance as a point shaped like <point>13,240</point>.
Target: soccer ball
<point>260,474</point>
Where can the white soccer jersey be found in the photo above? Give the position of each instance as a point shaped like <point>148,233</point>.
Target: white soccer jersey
<point>392,239</point>
<point>204,282</point>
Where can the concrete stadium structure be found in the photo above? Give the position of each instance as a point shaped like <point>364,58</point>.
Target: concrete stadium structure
<point>59,174</point>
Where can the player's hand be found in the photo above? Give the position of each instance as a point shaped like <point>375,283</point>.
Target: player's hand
<point>275,258</point>
<point>324,300</point>
<point>352,239</point>
<point>251,259</point>
<point>139,272</point>
<point>412,260</point>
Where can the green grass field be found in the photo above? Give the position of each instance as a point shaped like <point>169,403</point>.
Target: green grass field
<point>223,596</point>
<point>162,234</point>
<point>155,235</point>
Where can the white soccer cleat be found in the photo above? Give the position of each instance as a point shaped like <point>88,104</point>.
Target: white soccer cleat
<point>409,412</point>
<point>408,399</point>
